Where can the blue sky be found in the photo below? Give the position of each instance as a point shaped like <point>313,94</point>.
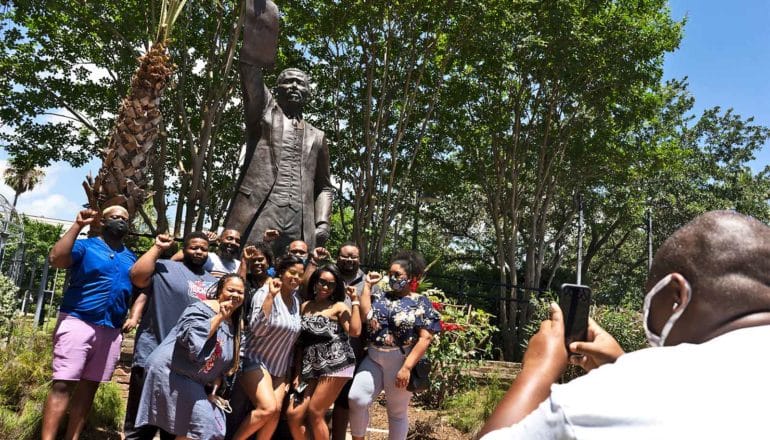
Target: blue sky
<point>725,54</point>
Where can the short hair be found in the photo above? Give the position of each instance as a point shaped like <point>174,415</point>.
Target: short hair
<point>338,294</point>
<point>192,236</point>
<point>412,261</point>
<point>265,248</point>
<point>348,243</point>
<point>111,208</point>
<point>285,262</point>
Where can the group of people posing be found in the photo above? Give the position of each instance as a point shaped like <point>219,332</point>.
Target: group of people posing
<point>229,342</point>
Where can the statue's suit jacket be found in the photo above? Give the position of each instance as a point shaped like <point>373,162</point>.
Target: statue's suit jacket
<point>264,129</point>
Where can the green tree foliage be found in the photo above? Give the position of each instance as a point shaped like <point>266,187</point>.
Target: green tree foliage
<point>505,112</point>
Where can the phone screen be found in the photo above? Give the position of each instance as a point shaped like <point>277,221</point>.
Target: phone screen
<point>574,301</point>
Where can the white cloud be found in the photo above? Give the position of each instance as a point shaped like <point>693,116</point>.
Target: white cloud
<point>58,195</point>
<point>51,206</point>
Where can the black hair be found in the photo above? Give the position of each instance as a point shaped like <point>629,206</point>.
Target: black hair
<point>266,250</point>
<point>338,294</point>
<point>285,262</point>
<point>349,243</point>
<point>412,262</point>
<point>235,318</point>
<point>193,235</point>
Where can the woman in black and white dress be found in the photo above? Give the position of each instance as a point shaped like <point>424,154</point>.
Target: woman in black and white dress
<point>327,361</point>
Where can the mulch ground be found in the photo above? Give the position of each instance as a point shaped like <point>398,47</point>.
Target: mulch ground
<point>424,424</point>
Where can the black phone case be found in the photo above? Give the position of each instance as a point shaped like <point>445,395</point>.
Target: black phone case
<point>575,301</point>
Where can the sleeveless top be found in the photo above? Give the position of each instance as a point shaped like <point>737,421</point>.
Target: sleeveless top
<point>325,347</point>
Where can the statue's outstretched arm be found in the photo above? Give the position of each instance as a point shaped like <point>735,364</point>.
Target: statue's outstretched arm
<point>260,43</point>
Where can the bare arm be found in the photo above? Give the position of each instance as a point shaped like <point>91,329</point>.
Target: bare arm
<point>273,289</point>
<point>544,361</point>
<point>350,319</point>
<point>136,312</point>
<point>371,279</point>
<point>60,256</point>
<point>142,271</point>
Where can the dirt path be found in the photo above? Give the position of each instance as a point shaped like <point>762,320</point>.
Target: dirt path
<point>423,424</point>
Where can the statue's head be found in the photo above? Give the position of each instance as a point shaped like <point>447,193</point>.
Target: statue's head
<point>292,89</point>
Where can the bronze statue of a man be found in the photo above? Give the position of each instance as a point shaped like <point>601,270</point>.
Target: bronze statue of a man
<point>284,183</point>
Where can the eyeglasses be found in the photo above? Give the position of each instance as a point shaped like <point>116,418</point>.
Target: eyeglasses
<point>327,284</point>
<point>345,258</point>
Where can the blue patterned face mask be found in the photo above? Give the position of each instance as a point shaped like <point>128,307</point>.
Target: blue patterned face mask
<point>397,284</point>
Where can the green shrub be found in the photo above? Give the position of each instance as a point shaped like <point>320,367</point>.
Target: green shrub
<point>467,411</point>
<point>9,304</point>
<point>25,381</point>
<point>108,410</point>
<point>465,339</point>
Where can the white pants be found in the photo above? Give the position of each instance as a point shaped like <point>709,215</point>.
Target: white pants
<point>378,372</point>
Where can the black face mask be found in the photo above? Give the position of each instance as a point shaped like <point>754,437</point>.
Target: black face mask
<point>116,228</point>
<point>347,267</point>
<point>229,250</point>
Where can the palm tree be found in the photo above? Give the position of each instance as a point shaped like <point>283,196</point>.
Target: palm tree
<point>123,177</point>
<point>22,179</point>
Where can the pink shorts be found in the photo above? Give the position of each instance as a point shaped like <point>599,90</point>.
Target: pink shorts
<point>82,350</point>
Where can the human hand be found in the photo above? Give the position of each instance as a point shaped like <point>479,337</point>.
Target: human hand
<point>402,378</point>
<point>270,235</point>
<point>373,278</point>
<point>274,286</point>
<point>546,351</point>
<point>320,254</point>
<point>352,293</point>
<point>86,217</point>
<point>211,236</point>
<point>129,325</point>
<point>601,348</point>
<point>374,325</point>
<point>250,253</point>
<point>163,241</point>
<point>227,307</point>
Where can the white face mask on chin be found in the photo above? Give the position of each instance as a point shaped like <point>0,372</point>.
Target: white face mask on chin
<point>652,338</point>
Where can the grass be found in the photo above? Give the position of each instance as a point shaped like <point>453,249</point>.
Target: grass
<point>468,410</point>
<point>26,378</point>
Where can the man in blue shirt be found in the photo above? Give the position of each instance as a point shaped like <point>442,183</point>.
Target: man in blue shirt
<point>87,337</point>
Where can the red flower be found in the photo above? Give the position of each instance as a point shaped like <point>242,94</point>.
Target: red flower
<point>437,305</point>
<point>451,327</point>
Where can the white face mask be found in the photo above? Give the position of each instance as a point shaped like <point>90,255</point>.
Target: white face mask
<point>653,339</point>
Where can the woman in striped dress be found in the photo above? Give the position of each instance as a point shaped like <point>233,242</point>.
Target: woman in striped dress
<point>268,347</point>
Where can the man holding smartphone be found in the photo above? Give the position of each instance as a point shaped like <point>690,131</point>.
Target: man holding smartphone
<point>708,305</point>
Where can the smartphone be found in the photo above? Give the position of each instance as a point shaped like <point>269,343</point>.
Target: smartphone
<point>574,301</point>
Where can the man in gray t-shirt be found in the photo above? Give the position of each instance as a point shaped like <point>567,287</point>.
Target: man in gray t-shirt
<point>169,287</point>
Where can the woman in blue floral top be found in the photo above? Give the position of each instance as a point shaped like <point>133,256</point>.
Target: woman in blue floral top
<point>401,325</point>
